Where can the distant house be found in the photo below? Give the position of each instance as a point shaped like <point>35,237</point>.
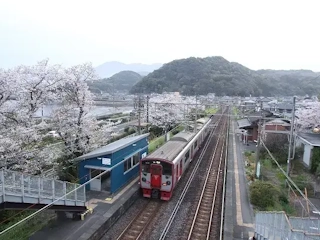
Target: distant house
<point>248,105</point>
<point>277,125</point>
<point>248,129</point>
<point>284,108</point>
<point>264,99</point>
<point>309,141</point>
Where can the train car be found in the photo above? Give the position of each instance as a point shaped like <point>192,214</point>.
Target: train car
<point>161,170</point>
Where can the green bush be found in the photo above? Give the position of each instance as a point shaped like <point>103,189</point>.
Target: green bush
<point>315,159</point>
<point>263,194</point>
<point>247,153</point>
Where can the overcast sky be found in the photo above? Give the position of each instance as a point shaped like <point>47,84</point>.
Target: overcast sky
<point>257,34</point>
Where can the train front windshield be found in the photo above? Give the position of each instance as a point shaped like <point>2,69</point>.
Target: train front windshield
<point>166,167</point>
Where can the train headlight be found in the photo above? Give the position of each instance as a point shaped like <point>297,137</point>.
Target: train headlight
<point>144,179</point>
<point>168,183</point>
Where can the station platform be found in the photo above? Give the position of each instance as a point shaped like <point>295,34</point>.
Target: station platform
<point>106,210</point>
<point>239,216</point>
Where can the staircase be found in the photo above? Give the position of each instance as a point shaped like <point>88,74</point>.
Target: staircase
<point>278,226</point>
<point>18,190</point>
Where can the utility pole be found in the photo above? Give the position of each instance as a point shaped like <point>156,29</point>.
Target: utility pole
<point>114,108</point>
<point>139,106</point>
<point>147,109</point>
<point>139,115</point>
<point>196,116</point>
<point>291,134</point>
<point>258,145</point>
<point>184,117</point>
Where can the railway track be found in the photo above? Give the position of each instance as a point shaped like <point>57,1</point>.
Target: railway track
<point>206,224</point>
<point>138,225</point>
<point>202,220</point>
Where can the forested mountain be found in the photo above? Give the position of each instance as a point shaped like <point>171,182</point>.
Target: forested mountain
<point>294,82</point>
<point>110,68</point>
<point>217,75</point>
<point>122,81</point>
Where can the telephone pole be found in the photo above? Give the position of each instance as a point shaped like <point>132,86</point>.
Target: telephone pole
<point>138,104</point>
<point>291,134</point>
<point>147,109</point>
<point>196,116</point>
<point>257,167</point>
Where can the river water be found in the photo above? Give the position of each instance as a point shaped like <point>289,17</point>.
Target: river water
<point>47,110</point>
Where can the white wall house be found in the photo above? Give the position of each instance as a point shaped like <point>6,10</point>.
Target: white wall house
<point>308,141</point>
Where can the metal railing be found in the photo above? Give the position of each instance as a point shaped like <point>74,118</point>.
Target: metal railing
<point>23,188</point>
<point>278,226</point>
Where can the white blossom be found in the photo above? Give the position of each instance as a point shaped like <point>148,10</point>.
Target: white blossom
<point>308,116</point>
<point>170,109</point>
<point>72,121</point>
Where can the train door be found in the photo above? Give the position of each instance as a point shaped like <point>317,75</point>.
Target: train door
<point>177,173</point>
<point>191,153</point>
<point>156,173</point>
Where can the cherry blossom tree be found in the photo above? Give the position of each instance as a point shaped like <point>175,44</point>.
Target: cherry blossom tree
<point>23,91</point>
<point>8,86</point>
<point>74,125</point>
<point>308,116</point>
<point>39,85</point>
<point>171,109</point>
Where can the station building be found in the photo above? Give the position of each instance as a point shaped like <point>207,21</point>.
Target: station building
<point>120,159</point>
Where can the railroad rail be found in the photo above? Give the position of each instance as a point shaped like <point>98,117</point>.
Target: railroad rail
<point>210,143</point>
<point>138,225</point>
<point>206,224</point>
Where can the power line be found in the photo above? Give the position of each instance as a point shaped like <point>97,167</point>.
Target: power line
<point>50,204</point>
<point>47,206</point>
<point>288,177</point>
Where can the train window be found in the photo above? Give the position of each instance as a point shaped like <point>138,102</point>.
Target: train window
<point>145,168</point>
<point>195,144</point>
<point>187,156</point>
<point>166,168</point>
<point>156,170</point>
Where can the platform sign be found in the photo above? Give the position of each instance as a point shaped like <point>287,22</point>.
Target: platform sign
<point>106,161</point>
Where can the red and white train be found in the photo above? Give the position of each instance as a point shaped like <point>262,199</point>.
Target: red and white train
<point>161,170</point>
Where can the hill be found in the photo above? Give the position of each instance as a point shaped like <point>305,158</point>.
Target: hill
<point>119,82</point>
<point>110,68</point>
<point>217,75</point>
<point>294,82</point>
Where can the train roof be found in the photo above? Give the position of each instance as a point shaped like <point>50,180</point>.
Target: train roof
<point>173,147</point>
<point>168,151</point>
<point>183,136</point>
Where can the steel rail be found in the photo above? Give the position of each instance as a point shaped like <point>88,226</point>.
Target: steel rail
<point>224,180</point>
<point>136,227</point>
<point>215,191</point>
<point>186,188</point>
<point>205,189</point>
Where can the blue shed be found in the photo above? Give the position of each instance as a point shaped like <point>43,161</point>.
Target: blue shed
<point>121,160</point>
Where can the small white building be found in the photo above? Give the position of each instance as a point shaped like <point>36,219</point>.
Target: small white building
<point>309,141</point>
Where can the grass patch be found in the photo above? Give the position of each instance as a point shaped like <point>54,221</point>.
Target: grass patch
<point>156,143</point>
<point>27,228</point>
<point>209,111</point>
<point>235,112</point>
